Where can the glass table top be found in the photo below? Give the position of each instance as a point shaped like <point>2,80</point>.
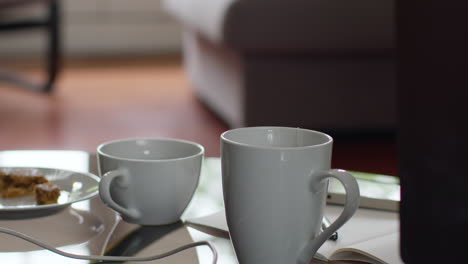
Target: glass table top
<point>89,227</point>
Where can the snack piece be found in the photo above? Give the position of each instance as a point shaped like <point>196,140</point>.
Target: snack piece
<point>46,193</point>
<point>14,185</point>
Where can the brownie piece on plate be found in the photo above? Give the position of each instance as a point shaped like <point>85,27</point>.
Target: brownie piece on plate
<point>46,193</point>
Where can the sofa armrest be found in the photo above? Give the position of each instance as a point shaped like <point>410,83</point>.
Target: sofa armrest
<point>311,25</point>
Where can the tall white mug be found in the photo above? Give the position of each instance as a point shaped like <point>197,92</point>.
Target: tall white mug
<point>275,182</point>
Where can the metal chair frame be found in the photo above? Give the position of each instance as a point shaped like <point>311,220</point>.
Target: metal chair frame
<point>53,53</point>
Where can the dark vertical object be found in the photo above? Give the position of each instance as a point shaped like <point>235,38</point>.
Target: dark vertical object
<point>433,133</point>
<point>54,49</point>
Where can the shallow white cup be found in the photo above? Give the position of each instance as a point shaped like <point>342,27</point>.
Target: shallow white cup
<point>275,182</point>
<point>149,181</point>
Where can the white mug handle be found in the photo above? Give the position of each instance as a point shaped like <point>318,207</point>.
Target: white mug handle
<point>350,207</point>
<point>104,192</point>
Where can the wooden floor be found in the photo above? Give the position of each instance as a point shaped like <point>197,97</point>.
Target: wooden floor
<point>104,99</point>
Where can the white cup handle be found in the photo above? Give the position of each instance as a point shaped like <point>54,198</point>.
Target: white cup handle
<point>104,193</point>
<point>350,207</point>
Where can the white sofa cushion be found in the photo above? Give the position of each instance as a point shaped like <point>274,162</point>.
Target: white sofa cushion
<point>204,16</point>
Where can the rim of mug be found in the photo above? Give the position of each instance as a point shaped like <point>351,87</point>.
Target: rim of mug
<point>224,138</point>
<point>200,147</point>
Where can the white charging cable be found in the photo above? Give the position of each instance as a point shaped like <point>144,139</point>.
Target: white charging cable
<point>111,258</point>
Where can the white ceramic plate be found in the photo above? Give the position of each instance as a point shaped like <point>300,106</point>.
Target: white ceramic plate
<point>74,186</point>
